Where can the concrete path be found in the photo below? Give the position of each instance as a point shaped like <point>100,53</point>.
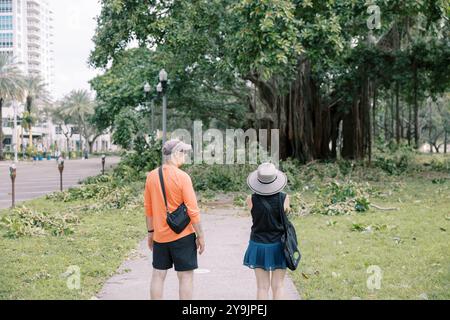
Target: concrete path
<point>221,275</point>
<point>42,177</point>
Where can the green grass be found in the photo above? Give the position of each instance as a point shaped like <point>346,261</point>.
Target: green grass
<point>33,267</point>
<point>412,247</point>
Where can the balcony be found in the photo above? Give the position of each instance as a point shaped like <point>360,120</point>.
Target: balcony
<point>34,40</point>
<point>34,18</point>
<point>34,71</point>
<point>33,51</point>
<point>33,8</point>
<point>34,46</point>
<point>34,61</point>
<point>34,32</point>
<point>34,27</point>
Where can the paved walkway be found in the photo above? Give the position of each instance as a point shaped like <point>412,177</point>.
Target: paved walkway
<point>221,275</point>
<point>42,177</point>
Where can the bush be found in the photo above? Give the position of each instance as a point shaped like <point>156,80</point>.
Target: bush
<point>84,192</point>
<point>396,162</point>
<point>299,207</point>
<point>226,178</point>
<point>342,198</point>
<point>442,164</point>
<point>109,192</point>
<point>136,164</point>
<point>26,222</point>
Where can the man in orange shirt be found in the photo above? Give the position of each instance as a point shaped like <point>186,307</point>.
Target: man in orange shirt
<point>171,249</point>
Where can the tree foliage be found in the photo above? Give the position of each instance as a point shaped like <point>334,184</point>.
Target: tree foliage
<point>311,66</point>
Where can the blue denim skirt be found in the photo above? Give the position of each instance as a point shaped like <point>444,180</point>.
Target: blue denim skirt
<point>265,256</point>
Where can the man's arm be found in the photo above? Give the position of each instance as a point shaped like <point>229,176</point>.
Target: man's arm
<point>149,215</point>
<point>151,232</point>
<point>200,237</point>
<point>190,200</point>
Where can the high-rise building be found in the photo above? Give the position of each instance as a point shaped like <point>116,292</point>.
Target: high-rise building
<point>26,32</point>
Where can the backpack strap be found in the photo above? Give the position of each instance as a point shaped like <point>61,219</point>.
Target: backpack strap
<point>161,180</point>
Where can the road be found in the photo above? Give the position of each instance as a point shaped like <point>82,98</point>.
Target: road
<point>40,178</point>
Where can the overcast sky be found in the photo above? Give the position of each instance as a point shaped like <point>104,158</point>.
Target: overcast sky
<point>74,28</point>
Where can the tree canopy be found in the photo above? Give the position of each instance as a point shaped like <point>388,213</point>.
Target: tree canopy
<point>309,66</point>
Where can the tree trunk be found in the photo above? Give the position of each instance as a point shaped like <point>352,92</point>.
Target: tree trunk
<point>430,128</point>
<point>367,123</point>
<point>445,141</point>
<point>392,133</point>
<point>416,111</point>
<point>386,123</point>
<point>91,146</point>
<point>397,113</point>
<point>374,112</point>
<point>81,140</point>
<point>409,132</point>
<point>356,126</point>
<point>402,122</point>
<point>309,128</point>
<point>29,104</point>
<point>1,129</point>
<point>68,147</point>
<point>303,122</point>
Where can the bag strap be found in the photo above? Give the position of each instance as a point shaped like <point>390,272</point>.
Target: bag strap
<point>282,213</point>
<point>161,180</point>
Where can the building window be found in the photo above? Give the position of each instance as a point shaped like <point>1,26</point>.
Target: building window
<point>6,22</point>
<point>5,6</point>
<point>6,40</point>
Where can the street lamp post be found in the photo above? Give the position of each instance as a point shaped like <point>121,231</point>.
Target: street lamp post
<point>61,169</point>
<point>147,90</point>
<point>163,78</point>
<point>12,174</point>
<point>103,164</point>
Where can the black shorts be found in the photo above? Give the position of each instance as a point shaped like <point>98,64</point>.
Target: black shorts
<point>182,253</point>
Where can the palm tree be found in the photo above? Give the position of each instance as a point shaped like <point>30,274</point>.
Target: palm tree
<point>11,87</point>
<point>78,105</point>
<point>61,119</point>
<point>35,92</point>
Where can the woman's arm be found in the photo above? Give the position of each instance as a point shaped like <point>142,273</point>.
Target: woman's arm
<point>287,204</point>
<point>249,202</point>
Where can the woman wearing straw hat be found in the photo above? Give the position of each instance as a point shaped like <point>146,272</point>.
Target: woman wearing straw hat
<point>265,252</point>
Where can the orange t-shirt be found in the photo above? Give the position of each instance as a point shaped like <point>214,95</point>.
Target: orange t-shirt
<point>179,190</point>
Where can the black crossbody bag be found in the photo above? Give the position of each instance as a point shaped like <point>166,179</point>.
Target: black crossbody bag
<point>179,219</point>
<point>289,238</point>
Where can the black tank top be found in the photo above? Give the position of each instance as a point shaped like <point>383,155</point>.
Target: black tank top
<point>267,229</point>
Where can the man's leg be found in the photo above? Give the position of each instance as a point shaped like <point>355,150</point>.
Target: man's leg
<point>186,281</point>
<point>157,286</point>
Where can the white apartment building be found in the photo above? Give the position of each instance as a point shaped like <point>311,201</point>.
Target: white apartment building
<point>26,32</point>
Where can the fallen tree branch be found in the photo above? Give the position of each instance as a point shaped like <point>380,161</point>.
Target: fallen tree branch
<point>383,209</point>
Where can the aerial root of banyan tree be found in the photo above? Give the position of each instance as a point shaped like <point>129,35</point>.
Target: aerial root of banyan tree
<point>309,126</point>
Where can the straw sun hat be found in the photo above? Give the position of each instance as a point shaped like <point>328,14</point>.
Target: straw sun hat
<point>267,180</point>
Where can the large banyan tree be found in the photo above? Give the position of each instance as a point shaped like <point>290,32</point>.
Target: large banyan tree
<point>311,68</point>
